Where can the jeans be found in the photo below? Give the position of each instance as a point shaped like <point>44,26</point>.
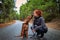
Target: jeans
<point>40,33</point>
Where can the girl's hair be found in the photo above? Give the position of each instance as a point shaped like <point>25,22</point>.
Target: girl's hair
<point>38,12</point>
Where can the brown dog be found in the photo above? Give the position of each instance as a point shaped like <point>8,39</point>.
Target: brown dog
<point>24,31</point>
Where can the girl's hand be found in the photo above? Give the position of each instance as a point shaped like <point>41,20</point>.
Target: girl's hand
<point>33,30</point>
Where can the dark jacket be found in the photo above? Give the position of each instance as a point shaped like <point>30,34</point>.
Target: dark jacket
<point>39,23</point>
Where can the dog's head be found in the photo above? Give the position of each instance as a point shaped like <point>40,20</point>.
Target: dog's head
<point>28,19</point>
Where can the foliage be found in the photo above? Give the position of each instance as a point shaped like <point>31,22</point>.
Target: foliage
<point>8,12</point>
<point>49,8</point>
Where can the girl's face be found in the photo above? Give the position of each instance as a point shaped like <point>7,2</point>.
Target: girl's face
<point>34,14</point>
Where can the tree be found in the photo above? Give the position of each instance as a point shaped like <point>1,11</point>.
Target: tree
<point>8,12</point>
<point>47,6</point>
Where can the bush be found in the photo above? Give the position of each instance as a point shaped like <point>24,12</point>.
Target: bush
<point>48,16</point>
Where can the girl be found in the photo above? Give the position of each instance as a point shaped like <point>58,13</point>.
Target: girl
<point>39,24</point>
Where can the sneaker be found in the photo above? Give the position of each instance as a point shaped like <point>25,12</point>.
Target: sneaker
<point>21,37</point>
<point>41,38</point>
<point>39,35</point>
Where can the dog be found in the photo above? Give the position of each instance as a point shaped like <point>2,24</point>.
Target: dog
<point>24,31</point>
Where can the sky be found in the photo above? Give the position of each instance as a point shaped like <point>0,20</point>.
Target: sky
<point>19,3</point>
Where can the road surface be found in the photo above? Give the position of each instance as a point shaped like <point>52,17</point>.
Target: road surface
<point>10,32</point>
